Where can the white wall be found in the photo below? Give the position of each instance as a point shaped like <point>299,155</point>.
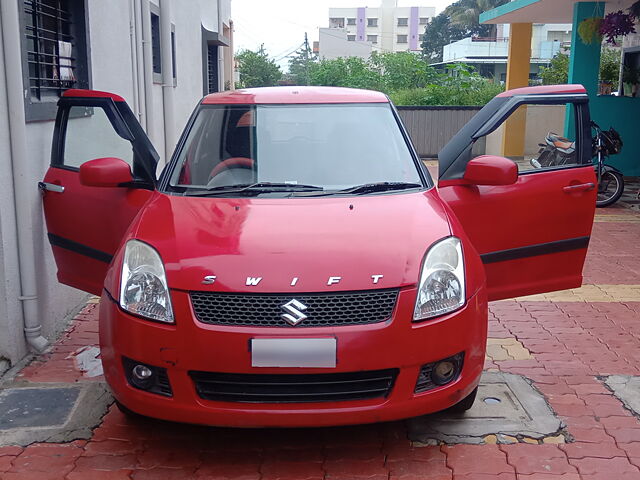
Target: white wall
<point>334,44</point>
<point>111,70</point>
<point>9,280</point>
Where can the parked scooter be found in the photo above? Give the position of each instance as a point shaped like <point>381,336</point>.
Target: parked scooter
<point>558,151</point>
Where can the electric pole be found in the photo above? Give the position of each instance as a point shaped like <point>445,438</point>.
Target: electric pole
<point>306,58</point>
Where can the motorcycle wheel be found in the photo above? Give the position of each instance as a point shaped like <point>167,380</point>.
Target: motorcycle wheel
<point>610,189</point>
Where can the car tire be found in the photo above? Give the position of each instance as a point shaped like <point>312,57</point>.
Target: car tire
<point>465,404</point>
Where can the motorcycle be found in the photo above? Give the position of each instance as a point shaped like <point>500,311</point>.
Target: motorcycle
<point>558,151</point>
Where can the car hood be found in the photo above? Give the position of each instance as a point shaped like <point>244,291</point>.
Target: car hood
<point>295,244</point>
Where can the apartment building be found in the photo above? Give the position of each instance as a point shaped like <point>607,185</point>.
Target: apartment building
<point>161,56</point>
<point>489,55</point>
<point>387,28</point>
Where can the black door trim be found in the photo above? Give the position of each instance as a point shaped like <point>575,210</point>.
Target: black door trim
<point>535,250</point>
<point>76,247</point>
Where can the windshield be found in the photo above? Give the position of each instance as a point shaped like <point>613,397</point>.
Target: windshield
<point>312,147</point>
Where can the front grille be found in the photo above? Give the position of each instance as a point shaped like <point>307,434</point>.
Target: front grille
<point>323,309</point>
<point>282,388</point>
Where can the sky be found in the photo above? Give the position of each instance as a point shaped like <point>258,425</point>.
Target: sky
<point>281,24</point>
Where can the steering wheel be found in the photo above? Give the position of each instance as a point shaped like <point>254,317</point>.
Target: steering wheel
<point>233,162</point>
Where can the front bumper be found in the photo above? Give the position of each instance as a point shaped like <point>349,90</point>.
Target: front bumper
<point>192,346</point>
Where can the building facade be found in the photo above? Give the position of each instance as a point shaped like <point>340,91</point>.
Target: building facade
<point>162,56</point>
<point>334,43</point>
<point>489,55</point>
<point>387,28</point>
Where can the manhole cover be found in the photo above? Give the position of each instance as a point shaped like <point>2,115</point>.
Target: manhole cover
<point>507,404</point>
<point>36,407</point>
<point>49,412</point>
<point>626,389</point>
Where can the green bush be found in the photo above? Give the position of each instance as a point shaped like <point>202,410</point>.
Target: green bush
<point>407,79</point>
<point>461,86</point>
<point>447,95</point>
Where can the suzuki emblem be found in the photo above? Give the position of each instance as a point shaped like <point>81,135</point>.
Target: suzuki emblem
<point>294,310</point>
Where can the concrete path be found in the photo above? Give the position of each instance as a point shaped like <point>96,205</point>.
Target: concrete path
<point>578,348</point>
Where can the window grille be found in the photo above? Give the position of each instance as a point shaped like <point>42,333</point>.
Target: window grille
<point>212,67</point>
<point>50,47</point>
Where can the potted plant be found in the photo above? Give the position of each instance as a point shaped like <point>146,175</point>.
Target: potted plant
<point>617,24</point>
<point>589,30</point>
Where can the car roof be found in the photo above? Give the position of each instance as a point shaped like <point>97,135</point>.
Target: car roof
<point>295,95</point>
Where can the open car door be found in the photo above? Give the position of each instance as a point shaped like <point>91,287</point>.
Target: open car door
<point>532,235</point>
<point>86,223</point>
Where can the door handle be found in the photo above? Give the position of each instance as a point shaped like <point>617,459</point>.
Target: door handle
<point>51,187</point>
<point>582,187</point>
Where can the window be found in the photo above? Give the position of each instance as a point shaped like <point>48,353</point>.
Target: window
<point>212,68</point>
<point>351,21</point>
<point>54,52</point>
<point>402,38</point>
<point>372,22</point>
<point>372,38</point>
<point>156,53</point>
<point>156,47</point>
<point>403,22</point>
<point>173,54</point>
<point>351,38</point>
<point>333,146</point>
<point>104,141</point>
<point>211,43</point>
<point>539,138</point>
<point>424,20</point>
<point>421,37</point>
<point>336,22</point>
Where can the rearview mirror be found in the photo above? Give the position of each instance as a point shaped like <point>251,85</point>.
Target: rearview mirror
<point>105,172</point>
<point>491,170</point>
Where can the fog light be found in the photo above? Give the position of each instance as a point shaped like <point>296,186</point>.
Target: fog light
<point>145,377</point>
<point>443,372</point>
<point>141,373</point>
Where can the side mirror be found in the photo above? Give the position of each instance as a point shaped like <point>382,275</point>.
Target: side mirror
<point>105,172</point>
<point>491,170</point>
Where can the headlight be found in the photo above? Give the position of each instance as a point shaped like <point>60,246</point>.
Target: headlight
<point>143,284</point>
<point>441,288</point>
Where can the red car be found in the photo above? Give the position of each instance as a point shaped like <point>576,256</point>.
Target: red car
<point>294,263</point>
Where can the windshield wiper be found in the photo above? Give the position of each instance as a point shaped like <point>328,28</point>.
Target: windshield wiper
<point>379,187</point>
<point>258,187</point>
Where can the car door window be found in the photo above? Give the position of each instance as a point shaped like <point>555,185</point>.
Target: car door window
<point>537,137</point>
<point>92,136</point>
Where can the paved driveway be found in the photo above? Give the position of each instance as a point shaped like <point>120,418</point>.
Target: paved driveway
<point>567,343</point>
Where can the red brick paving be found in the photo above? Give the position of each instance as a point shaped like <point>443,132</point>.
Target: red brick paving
<point>571,342</point>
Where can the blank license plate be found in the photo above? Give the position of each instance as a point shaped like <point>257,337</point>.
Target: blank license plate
<point>293,352</point>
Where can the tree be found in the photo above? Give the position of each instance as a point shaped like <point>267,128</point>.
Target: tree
<point>438,33</point>
<point>257,69</point>
<point>610,66</point>
<point>466,13</point>
<point>558,70</point>
<point>402,70</point>
<point>354,72</point>
<point>299,65</point>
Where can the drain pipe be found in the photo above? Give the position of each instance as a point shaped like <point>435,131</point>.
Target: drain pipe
<point>167,79</point>
<point>134,51</point>
<point>147,58</point>
<point>24,187</point>
<point>142,108</point>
